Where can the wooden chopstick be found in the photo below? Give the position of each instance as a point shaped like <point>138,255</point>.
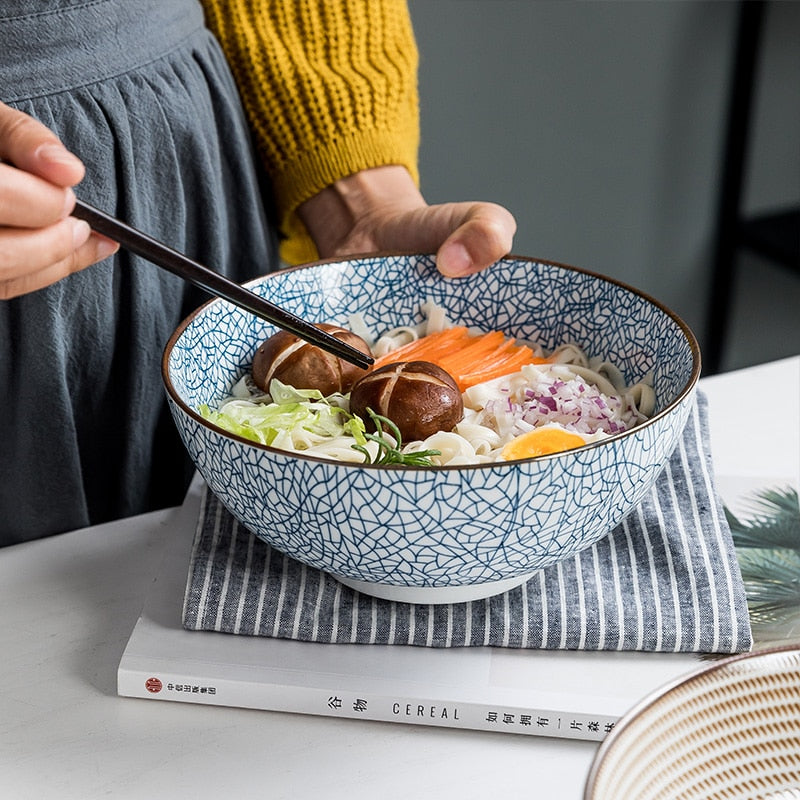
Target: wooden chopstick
<point>218,285</point>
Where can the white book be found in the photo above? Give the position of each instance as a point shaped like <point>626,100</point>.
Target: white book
<point>564,694</point>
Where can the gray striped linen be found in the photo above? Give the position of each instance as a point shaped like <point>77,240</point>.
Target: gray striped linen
<point>665,579</point>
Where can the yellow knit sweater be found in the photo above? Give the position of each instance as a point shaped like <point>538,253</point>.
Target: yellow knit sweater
<point>329,88</point>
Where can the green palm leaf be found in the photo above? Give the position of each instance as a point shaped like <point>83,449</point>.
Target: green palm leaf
<point>768,550</point>
<point>774,521</point>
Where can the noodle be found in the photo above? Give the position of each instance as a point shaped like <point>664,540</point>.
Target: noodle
<point>573,392</point>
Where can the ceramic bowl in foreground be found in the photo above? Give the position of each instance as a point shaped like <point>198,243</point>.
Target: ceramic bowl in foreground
<point>731,730</point>
<point>441,534</point>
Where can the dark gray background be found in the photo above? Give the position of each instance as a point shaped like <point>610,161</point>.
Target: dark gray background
<point>600,125</point>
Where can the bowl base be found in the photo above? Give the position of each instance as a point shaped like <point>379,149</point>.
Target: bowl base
<point>433,595</point>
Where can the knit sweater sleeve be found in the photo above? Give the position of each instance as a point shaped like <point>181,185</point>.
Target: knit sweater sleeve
<point>329,88</point>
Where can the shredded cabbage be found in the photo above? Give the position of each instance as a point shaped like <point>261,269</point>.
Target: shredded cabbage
<point>293,419</point>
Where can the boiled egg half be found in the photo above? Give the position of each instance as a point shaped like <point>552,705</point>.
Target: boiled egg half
<point>546,440</point>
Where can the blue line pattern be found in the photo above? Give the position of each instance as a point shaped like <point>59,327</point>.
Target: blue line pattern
<point>447,526</point>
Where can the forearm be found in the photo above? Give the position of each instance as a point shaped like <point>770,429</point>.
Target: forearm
<point>329,89</point>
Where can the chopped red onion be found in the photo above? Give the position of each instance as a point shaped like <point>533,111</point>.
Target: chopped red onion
<point>546,399</point>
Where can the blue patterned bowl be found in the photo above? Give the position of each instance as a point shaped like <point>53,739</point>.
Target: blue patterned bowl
<point>446,534</point>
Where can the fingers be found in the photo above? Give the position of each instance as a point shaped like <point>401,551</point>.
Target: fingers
<point>34,148</point>
<point>484,234</point>
<point>27,201</point>
<point>35,181</point>
<point>39,242</point>
<point>31,260</point>
<point>466,237</point>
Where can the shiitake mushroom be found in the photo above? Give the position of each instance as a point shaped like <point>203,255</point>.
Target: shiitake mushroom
<point>297,363</point>
<point>419,397</point>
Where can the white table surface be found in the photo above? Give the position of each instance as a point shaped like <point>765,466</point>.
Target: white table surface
<point>69,603</point>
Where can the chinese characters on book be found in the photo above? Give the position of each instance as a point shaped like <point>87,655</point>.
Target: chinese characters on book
<point>525,721</point>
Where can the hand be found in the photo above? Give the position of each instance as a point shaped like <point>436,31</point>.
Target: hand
<point>39,242</point>
<point>381,209</point>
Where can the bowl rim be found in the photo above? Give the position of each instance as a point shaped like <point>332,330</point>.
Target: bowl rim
<point>654,697</point>
<point>687,389</point>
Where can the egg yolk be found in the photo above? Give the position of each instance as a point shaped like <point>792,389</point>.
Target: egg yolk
<point>540,442</point>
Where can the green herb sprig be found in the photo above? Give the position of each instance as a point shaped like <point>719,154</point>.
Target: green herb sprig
<point>390,452</point>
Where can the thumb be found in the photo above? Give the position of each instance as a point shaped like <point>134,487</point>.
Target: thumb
<point>34,148</point>
<point>485,235</point>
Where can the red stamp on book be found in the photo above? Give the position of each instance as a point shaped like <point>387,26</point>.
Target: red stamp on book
<point>153,685</point>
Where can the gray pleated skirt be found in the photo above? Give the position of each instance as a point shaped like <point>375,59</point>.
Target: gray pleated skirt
<point>141,92</point>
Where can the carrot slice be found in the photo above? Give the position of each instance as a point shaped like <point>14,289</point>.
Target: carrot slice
<point>428,348</point>
<point>469,359</point>
<point>481,350</point>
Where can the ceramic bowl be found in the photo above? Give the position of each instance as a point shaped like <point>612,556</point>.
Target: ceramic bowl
<point>728,731</point>
<point>444,534</point>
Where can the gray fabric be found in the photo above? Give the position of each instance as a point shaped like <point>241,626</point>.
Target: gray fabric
<point>141,92</point>
<point>666,579</point>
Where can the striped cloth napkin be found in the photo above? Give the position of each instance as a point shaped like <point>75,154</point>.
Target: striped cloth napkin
<point>665,579</point>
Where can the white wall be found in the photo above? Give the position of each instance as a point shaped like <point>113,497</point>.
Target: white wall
<point>600,125</point>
